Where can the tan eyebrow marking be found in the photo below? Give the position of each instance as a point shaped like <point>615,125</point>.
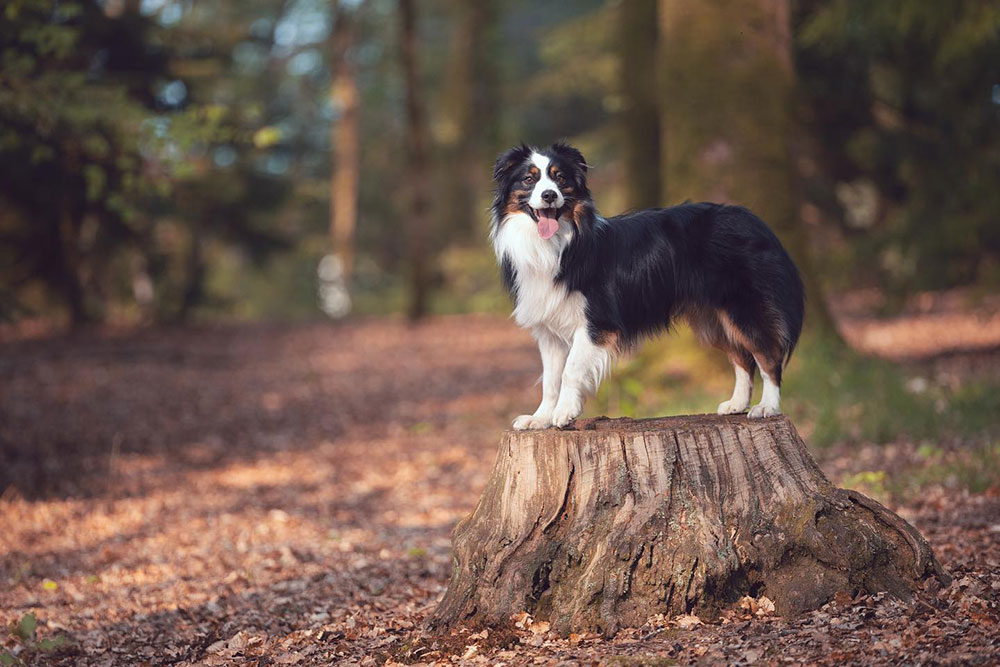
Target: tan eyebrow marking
<point>533,170</point>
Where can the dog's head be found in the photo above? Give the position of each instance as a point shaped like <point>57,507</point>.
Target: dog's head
<point>545,184</point>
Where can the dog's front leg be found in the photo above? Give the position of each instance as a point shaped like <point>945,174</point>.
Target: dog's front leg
<point>553,352</point>
<point>585,368</point>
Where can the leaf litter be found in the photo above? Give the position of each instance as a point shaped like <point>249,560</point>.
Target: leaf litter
<point>284,495</point>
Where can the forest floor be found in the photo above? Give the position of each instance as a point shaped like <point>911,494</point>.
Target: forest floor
<point>284,495</point>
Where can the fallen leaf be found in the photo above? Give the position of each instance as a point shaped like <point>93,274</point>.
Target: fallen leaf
<point>539,627</point>
<point>215,647</point>
<point>687,621</point>
<point>764,606</point>
<point>239,641</point>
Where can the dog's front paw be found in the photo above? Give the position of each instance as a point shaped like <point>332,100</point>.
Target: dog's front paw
<point>564,415</point>
<point>731,407</point>
<point>761,410</point>
<point>527,422</point>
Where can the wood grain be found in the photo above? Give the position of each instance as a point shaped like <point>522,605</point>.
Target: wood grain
<point>601,526</point>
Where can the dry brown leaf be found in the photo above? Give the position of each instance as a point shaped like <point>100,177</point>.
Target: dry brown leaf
<point>687,621</point>
<point>215,647</point>
<point>764,606</point>
<point>539,627</point>
<point>239,641</point>
<point>289,658</point>
<point>521,620</point>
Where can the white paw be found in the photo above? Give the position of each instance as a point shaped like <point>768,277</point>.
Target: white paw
<point>731,407</point>
<point>564,415</point>
<point>527,422</point>
<point>761,410</point>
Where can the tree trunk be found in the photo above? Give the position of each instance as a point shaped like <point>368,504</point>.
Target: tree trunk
<point>70,264</point>
<point>467,119</point>
<point>417,167</point>
<point>344,141</point>
<point>727,88</point>
<point>639,119</point>
<point>602,526</point>
<point>193,291</point>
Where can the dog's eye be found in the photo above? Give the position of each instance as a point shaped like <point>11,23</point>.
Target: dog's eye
<point>528,180</point>
<point>560,179</point>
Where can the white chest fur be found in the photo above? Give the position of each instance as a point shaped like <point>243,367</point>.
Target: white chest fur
<point>539,300</point>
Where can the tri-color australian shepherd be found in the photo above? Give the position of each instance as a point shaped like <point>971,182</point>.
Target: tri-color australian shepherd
<point>589,287</point>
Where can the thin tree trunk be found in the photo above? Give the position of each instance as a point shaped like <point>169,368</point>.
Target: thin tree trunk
<point>417,167</point>
<point>640,117</point>
<point>194,274</point>
<point>344,140</point>
<point>69,251</point>
<point>467,111</point>
<point>602,526</point>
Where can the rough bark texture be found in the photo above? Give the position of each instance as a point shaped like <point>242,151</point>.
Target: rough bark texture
<point>602,526</point>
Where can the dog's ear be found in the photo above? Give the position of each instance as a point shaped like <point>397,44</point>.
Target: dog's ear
<point>509,160</point>
<point>570,154</point>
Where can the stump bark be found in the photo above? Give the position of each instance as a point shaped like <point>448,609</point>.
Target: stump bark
<point>603,525</point>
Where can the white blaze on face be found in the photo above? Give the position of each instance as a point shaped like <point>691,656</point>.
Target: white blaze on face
<point>548,223</point>
<point>544,183</point>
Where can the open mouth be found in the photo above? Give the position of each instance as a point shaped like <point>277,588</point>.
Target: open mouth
<point>548,221</point>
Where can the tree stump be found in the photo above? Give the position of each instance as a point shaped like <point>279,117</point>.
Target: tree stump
<point>603,525</point>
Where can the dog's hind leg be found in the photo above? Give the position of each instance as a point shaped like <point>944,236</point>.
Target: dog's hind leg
<point>770,400</point>
<point>758,337</point>
<point>744,366</point>
<point>716,328</point>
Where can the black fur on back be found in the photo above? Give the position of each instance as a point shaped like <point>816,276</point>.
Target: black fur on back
<point>640,270</point>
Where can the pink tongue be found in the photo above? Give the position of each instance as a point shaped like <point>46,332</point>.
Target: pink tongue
<point>548,225</point>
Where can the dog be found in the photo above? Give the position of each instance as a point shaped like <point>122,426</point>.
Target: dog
<point>589,288</point>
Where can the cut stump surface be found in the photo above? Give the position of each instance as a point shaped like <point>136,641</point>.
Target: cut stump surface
<point>603,525</point>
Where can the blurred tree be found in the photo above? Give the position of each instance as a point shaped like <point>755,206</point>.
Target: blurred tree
<point>416,208</point>
<point>902,101</point>
<point>109,157</point>
<point>466,121</point>
<point>640,115</point>
<point>727,107</point>
<point>75,84</point>
<point>345,138</point>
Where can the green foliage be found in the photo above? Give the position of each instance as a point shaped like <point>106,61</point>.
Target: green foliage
<point>107,180</point>
<point>902,96</point>
<point>30,646</point>
<point>975,468</point>
<point>869,482</point>
<point>832,394</point>
<point>845,396</point>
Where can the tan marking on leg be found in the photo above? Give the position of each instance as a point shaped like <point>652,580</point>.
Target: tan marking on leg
<point>732,331</point>
<point>609,340</point>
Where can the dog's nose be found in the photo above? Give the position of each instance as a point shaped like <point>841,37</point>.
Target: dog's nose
<point>549,196</point>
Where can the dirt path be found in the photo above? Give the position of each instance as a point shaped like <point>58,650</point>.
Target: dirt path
<point>284,495</point>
